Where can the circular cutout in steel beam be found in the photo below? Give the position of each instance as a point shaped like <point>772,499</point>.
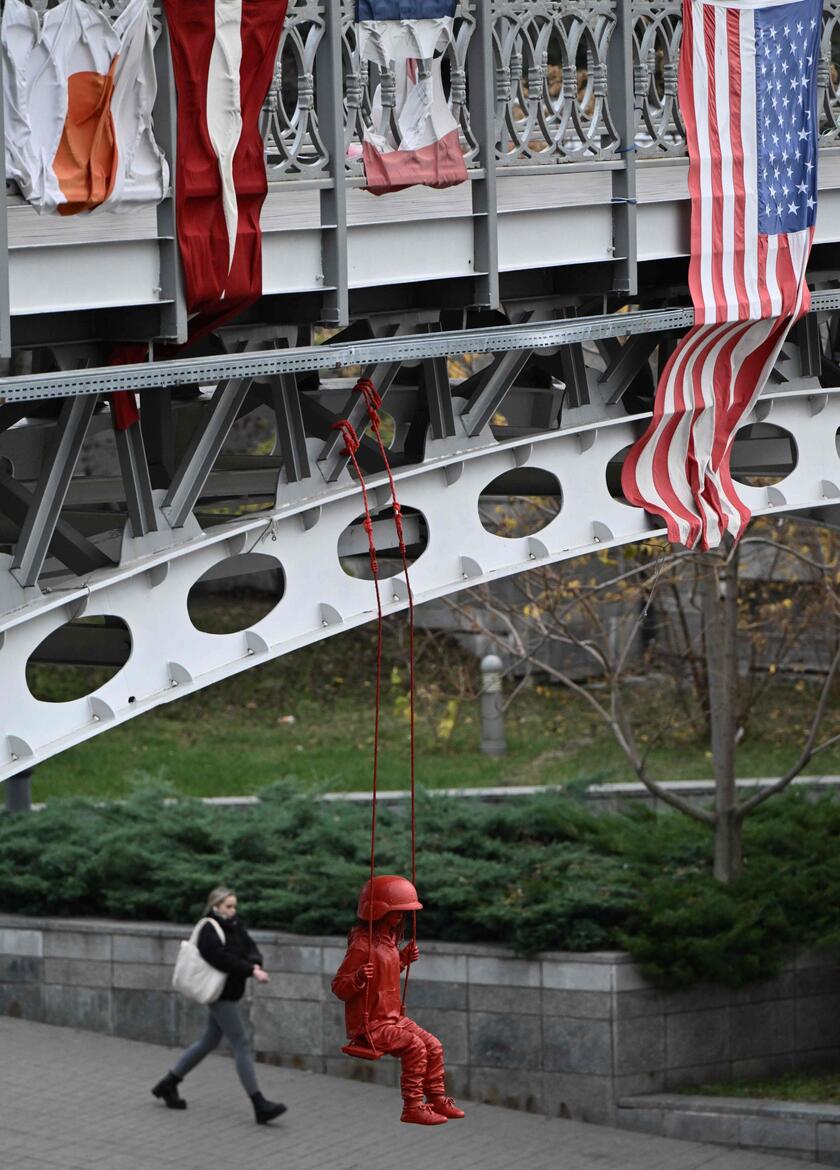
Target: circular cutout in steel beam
<point>236,593</point>
<point>520,502</point>
<point>353,547</point>
<point>762,455</point>
<point>78,658</point>
<point>614,469</point>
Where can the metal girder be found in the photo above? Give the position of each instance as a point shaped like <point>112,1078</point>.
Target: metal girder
<point>159,436</point>
<point>626,365</point>
<point>68,545</point>
<point>203,450</point>
<point>438,393</point>
<point>493,384</point>
<point>136,479</point>
<point>304,534</point>
<point>44,509</point>
<point>620,82</point>
<point>266,363</point>
<point>810,347</point>
<point>333,198</point>
<point>291,433</point>
<point>331,459</point>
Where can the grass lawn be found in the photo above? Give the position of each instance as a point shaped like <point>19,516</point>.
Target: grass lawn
<point>231,739</point>
<point>819,1088</point>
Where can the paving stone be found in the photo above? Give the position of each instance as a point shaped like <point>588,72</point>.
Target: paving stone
<point>77,1100</point>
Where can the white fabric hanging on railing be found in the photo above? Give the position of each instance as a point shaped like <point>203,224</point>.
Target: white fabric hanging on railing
<point>384,41</point>
<point>78,97</point>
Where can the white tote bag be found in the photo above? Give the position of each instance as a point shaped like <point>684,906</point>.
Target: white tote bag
<point>193,976</point>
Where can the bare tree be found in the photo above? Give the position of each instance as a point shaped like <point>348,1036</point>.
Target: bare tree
<point>710,630</point>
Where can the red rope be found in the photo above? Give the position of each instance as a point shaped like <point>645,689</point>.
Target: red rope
<point>373,400</point>
<point>351,446</point>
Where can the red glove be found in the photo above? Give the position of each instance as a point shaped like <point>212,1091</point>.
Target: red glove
<point>363,974</point>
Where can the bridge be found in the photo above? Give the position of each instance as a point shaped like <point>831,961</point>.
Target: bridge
<point>514,326</point>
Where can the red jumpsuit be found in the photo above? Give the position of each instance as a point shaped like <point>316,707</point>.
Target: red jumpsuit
<point>421,1053</point>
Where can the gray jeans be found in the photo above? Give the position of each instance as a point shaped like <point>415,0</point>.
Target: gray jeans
<point>225,1020</point>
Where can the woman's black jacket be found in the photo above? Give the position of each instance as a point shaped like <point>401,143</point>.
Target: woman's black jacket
<point>236,956</point>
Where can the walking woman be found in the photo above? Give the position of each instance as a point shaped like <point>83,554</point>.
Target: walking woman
<point>239,958</point>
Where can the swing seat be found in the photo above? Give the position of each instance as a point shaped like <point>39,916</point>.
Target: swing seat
<point>363,1048</point>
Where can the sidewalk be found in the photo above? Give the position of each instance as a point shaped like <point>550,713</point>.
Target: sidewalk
<point>80,1101</point>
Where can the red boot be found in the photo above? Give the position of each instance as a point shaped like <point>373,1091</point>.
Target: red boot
<point>416,1113</point>
<point>446,1107</point>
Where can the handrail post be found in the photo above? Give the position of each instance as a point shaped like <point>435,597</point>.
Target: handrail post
<point>620,89</point>
<point>480,74</point>
<point>330,96</point>
<point>173,310</point>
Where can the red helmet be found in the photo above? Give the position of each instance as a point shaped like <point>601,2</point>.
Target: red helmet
<point>390,893</point>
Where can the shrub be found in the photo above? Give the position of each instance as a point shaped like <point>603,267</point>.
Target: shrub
<point>533,873</point>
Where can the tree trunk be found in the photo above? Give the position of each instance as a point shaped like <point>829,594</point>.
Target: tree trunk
<point>720,622</point>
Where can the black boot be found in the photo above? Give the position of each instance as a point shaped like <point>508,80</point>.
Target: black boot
<point>167,1091</point>
<point>266,1110</point>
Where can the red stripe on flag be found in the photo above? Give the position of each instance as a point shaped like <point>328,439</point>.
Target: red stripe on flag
<point>733,28</point>
<point>716,242</point>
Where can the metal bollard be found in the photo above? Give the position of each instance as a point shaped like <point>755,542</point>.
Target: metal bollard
<point>492,707</point>
<point>18,791</point>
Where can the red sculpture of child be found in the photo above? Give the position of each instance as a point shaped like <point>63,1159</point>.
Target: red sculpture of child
<point>368,981</point>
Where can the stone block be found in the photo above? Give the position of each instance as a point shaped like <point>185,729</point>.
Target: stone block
<point>704,997</point>
<point>818,1022</point>
<point>560,976</point>
<point>21,1001</point>
<point>291,957</point>
<point>761,1029</point>
<point>697,1074</point>
<point>500,1040</point>
<point>781,986</point>
<point>640,1120</point>
<point>828,1142</point>
<point>457,1080</point>
<point>288,1026</point>
<point>637,1084</point>
<point>581,1005</point>
<point>332,1025</point>
<point>696,1038</point>
<point>372,1072</point>
<point>721,1128</point>
<point>20,969</point>
<point>147,948</point>
<point>440,968</point>
<point>143,976</point>
<point>292,985</point>
<point>779,1133</point>
<point>816,981</point>
<point>190,1020</point>
<point>72,944</point>
<point>447,997</point>
<point>490,997</point>
<point>331,960</point>
<point>29,943</point>
<point>78,1007</point>
<point>451,1029</point>
<point>145,1015</point>
<point>806,959</point>
<point>582,1098</point>
<point>514,1089</point>
<point>577,1046</point>
<point>503,972</point>
<point>78,972</point>
<point>758,1067</point>
<point>639,1045</point>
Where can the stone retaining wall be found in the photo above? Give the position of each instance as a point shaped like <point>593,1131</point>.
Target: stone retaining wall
<point>563,1034</point>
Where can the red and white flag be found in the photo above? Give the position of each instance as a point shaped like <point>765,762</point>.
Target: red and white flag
<point>223,54</point>
<point>748,95</point>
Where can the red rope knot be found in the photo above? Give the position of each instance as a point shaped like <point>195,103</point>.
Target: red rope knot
<point>351,439</point>
<point>398,524</point>
<point>366,388</point>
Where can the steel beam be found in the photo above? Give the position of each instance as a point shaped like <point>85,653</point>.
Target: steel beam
<point>203,450</point>
<point>626,364</point>
<point>44,510</point>
<point>480,59</point>
<point>136,480</point>
<point>438,393</point>
<point>331,460</point>
<point>5,311</point>
<point>291,433</point>
<point>333,199</point>
<point>173,309</point>
<point>494,383</point>
<point>414,347</point>
<point>68,545</point>
<point>810,348</point>
<point>620,83</point>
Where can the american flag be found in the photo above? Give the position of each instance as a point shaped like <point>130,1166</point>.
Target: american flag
<point>748,94</point>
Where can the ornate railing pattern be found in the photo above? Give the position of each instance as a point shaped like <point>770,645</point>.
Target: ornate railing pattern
<point>550,79</point>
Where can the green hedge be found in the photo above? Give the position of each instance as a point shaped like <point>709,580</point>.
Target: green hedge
<point>533,874</point>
